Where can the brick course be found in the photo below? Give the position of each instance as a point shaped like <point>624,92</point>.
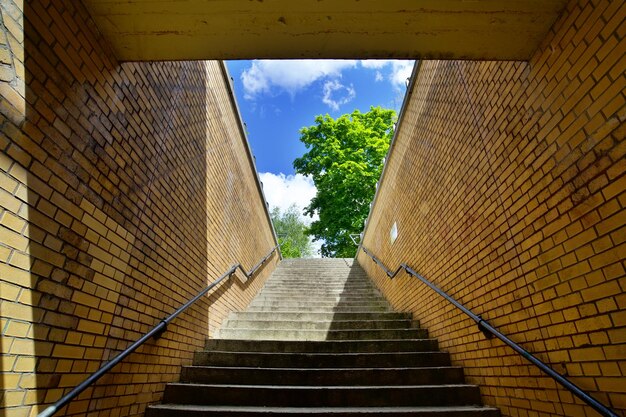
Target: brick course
<point>124,189</point>
<point>507,182</point>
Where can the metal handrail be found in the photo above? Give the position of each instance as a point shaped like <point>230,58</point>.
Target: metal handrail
<point>489,331</point>
<point>156,332</point>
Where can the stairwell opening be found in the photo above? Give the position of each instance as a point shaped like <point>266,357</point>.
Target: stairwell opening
<point>78,150</point>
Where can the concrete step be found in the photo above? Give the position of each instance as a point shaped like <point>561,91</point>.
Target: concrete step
<point>322,360</point>
<point>327,276</point>
<point>343,272</point>
<point>337,346</point>
<point>319,309</point>
<point>321,300</point>
<point>311,293</point>
<point>321,282</point>
<point>324,276</point>
<point>290,282</point>
<point>314,303</point>
<point>279,323</point>
<point>339,271</point>
<point>305,289</point>
<point>178,410</point>
<point>296,315</point>
<point>311,282</point>
<point>320,297</point>
<point>322,376</point>
<point>307,294</point>
<point>319,270</point>
<point>325,396</point>
<point>348,334</point>
<point>332,301</point>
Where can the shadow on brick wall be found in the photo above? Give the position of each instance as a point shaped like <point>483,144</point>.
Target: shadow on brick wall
<point>110,170</point>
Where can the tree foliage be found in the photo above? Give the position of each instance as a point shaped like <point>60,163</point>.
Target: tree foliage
<point>292,233</point>
<point>345,160</point>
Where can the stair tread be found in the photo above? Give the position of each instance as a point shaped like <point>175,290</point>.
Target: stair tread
<point>321,324</point>
<point>319,312</point>
<point>322,353</point>
<point>324,346</point>
<point>425,339</point>
<point>297,369</point>
<point>406,330</point>
<point>313,360</point>
<point>323,316</point>
<point>318,321</point>
<point>306,410</point>
<point>323,387</point>
<point>350,310</point>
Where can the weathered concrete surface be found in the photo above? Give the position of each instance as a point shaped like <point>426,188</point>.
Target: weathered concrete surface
<point>244,29</point>
<point>317,362</point>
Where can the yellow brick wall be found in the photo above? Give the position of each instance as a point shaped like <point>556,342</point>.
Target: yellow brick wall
<point>124,189</point>
<point>508,185</point>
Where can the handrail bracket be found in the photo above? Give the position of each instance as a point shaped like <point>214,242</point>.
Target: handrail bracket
<point>485,331</point>
<point>160,330</point>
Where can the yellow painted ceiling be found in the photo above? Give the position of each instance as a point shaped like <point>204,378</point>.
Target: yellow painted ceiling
<point>242,29</point>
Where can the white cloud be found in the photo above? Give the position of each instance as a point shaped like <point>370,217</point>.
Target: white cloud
<point>397,70</point>
<point>375,63</point>
<point>272,77</point>
<point>337,94</point>
<point>284,190</point>
<point>291,76</point>
<point>400,71</point>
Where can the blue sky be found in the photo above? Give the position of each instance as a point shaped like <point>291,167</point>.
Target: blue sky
<point>277,98</point>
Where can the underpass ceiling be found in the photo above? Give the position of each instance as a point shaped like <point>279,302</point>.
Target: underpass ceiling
<point>141,30</point>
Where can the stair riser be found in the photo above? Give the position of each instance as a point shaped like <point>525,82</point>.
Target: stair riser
<point>279,323</point>
<point>321,298</point>
<point>305,291</point>
<point>312,280</point>
<point>299,360</point>
<point>281,346</point>
<point>322,303</point>
<point>317,295</point>
<point>310,286</point>
<point>319,316</point>
<point>323,309</point>
<point>299,290</point>
<point>317,377</point>
<point>163,411</point>
<point>290,287</point>
<point>274,334</point>
<point>319,277</point>
<point>321,397</point>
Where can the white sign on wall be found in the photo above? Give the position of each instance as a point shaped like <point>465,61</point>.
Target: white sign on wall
<point>393,233</point>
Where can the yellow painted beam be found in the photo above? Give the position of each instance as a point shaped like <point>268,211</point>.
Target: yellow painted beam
<point>242,29</point>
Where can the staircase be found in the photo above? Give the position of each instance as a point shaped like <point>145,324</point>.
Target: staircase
<point>317,340</point>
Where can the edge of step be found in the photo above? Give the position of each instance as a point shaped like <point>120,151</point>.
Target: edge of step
<point>162,410</point>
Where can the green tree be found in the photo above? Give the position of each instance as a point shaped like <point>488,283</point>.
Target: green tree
<point>345,160</point>
<point>292,233</point>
